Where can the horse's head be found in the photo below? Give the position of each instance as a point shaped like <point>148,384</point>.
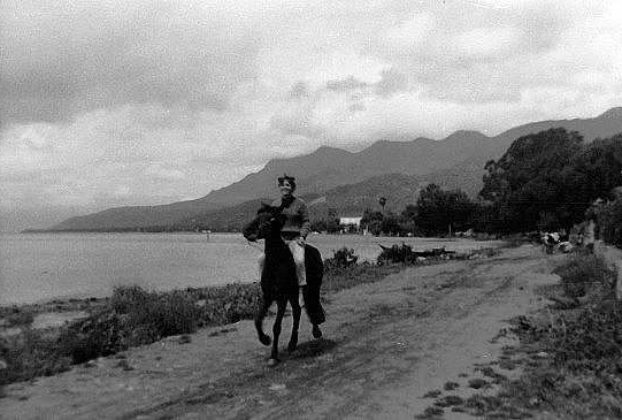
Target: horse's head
<point>268,221</point>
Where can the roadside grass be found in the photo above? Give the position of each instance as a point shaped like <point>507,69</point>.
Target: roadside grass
<point>133,316</point>
<point>571,358</point>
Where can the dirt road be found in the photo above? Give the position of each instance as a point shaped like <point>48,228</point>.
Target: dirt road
<point>385,346</point>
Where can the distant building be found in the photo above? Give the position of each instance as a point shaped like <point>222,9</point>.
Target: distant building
<point>348,221</point>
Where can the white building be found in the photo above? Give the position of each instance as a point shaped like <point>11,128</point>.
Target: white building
<point>356,221</point>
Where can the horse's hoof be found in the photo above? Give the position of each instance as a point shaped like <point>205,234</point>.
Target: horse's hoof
<point>273,362</point>
<point>317,333</point>
<point>265,339</point>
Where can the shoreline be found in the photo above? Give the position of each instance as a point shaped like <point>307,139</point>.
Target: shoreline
<point>133,316</point>
<point>98,287</point>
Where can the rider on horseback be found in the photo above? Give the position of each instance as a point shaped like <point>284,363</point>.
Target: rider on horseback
<point>295,229</point>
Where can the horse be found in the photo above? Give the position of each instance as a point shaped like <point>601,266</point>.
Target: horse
<point>279,282</point>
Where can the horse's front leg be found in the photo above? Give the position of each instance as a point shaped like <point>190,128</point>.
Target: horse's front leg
<point>276,330</point>
<point>296,311</point>
<point>259,317</point>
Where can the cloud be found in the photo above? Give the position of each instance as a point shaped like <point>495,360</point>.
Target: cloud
<point>483,43</point>
<point>70,57</point>
<point>148,102</point>
<point>408,36</point>
<point>345,85</point>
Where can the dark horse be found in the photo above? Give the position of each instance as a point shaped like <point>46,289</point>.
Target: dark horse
<point>279,282</point>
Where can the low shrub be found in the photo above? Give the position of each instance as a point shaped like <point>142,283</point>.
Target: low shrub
<point>132,317</point>
<point>14,317</point>
<point>397,254</point>
<point>343,258</point>
<point>339,278</point>
<point>584,272</point>
<point>226,304</point>
<point>31,354</point>
<point>575,355</point>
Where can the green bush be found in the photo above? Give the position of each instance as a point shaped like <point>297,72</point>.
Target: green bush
<point>99,335</point>
<point>580,375</point>
<point>343,257</point>
<point>149,316</point>
<point>584,272</point>
<point>125,299</point>
<point>397,254</point>
<point>226,304</point>
<point>31,354</point>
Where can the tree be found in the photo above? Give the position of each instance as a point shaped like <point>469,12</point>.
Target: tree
<point>382,201</point>
<point>547,180</point>
<point>440,211</point>
<point>524,184</point>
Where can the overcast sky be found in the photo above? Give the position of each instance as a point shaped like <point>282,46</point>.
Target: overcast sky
<point>116,102</point>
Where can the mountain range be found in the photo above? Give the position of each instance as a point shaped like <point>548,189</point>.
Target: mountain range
<point>349,181</point>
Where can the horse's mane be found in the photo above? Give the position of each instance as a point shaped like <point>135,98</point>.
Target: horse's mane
<point>270,209</point>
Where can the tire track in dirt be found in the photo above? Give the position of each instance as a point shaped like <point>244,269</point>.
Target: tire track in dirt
<point>387,344</point>
<point>376,343</point>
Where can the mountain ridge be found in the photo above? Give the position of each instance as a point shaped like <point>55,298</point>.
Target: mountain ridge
<point>329,167</point>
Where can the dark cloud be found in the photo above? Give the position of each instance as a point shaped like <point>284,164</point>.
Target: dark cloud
<point>67,60</point>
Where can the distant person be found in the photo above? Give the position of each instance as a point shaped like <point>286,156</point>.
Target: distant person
<point>295,229</point>
<point>589,231</point>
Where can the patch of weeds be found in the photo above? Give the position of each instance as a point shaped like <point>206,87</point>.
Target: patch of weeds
<point>478,383</point>
<point>508,364</point>
<point>342,258</point>
<point>492,407</point>
<point>339,278</point>
<point>573,367</point>
<point>123,364</point>
<point>14,317</point>
<point>448,401</point>
<point>584,272</point>
<point>489,372</point>
<point>432,394</point>
<point>431,413</point>
<point>221,332</point>
<point>450,386</point>
<point>480,405</point>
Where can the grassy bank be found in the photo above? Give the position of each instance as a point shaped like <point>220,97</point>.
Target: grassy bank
<point>571,353</point>
<point>133,316</point>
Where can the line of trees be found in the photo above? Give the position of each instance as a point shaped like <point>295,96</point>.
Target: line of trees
<point>545,181</point>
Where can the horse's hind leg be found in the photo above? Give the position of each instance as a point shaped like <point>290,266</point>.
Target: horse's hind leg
<point>296,311</point>
<point>276,330</point>
<point>317,332</point>
<point>261,314</point>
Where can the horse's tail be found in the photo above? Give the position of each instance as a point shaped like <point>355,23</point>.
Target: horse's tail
<point>315,273</point>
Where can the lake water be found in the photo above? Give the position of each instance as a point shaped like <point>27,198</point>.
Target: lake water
<point>38,267</point>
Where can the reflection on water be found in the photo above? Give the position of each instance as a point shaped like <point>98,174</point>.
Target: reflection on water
<point>36,267</point>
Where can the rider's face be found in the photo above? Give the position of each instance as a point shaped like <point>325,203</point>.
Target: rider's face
<point>286,188</point>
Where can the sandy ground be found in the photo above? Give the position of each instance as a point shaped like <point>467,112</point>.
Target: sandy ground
<point>385,346</point>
